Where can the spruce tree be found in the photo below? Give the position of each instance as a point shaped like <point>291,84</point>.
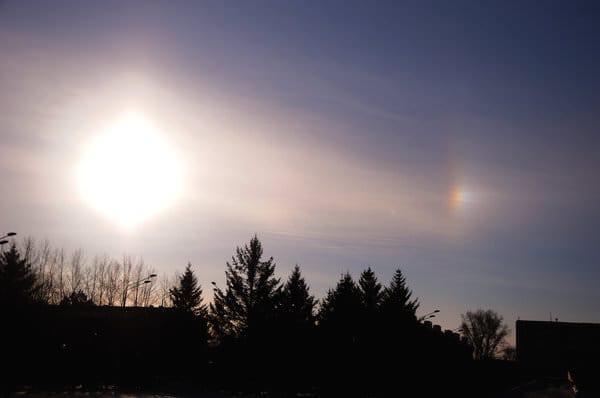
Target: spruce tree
<point>187,296</point>
<point>294,341</point>
<point>370,327</point>
<point>297,304</point>
<point>370,290</point>
<point>250,299</point>
<point>341,308</point>
<point>340,327</point>
<point>18,283</point>
<point>396,300</point>
<point>189,324</point>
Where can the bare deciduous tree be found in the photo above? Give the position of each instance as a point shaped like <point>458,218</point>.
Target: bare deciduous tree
<point>103,280</point>
<point>76,271</point>
<point>137,275</point>
<point>148,292</point>
<point>113,275</point>
<point>60,263</point>
<point>103,263</point>
<point>485,331</point>
<point>126,267</point>
<point>165,287</point>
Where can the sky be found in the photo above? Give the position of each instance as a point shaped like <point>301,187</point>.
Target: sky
<point>456,140</point>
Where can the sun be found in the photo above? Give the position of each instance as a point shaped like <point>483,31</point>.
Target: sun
<point>130,173</point>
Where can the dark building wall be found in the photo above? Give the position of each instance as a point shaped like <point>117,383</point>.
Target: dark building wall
<point>557,344</point>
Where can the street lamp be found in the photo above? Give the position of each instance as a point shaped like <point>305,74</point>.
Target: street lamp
<point>8,235</point>
<point>5,241</point>
<point>428,316</point>
<point>141,281</point>
<point>136,284</point>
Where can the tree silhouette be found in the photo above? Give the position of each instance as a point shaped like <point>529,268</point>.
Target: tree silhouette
<point>18,290</point>
<point>295,337</point>
<point>370,291</point>
<point>297,304</point>
<point>18,283</point>
<point>396,300</point>
<point>187,296</point>
<point>251,295</point>
<point>370,337</point>
<point>77,299</point>
<point>188,327</point>
<point>341,308</point>
<point>509,353</point>
<point>400,335</point>
<point>341,326</point>
<point>485,331</point>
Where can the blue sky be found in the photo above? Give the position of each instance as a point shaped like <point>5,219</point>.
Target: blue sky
<point>457,140</point>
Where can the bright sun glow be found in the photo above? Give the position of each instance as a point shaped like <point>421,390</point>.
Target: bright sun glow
<point>130,173</point>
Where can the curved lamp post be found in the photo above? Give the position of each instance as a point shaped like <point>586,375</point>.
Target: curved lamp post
<point>428,316</point>
<point>138,283</point>
<point>8,235</point>
<point>141,281</point>
<point>5,241</point>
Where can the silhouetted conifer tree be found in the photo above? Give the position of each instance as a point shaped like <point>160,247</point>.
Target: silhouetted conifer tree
<point>340,310</point>
<point>340,326</point>
<point>297,304</point>
<point>401,334</point>
<point>370,328</point>
<point>396,300</point>
<point>189,328</point>
<point>18,290</point>
<point>370,291</point>
<point>295,336</point>
<point>251,296</point>
<point>187,296</point>
<point>18,283</point>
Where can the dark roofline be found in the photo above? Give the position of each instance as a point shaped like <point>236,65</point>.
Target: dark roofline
<point>520,321</point>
